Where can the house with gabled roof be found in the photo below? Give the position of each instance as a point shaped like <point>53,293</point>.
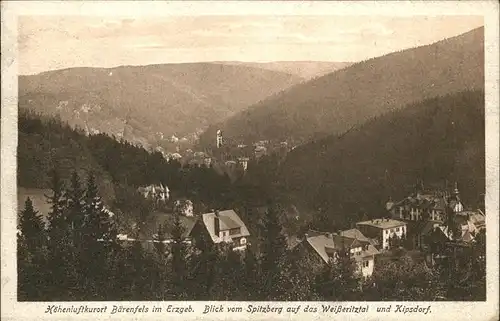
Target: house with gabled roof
<point>426,212</point>
<point>383,230</point>
<point>320,248</point>
<point>221,227</point>
<point>468,223</point>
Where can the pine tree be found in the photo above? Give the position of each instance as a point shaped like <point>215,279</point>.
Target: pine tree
<point>96,219</point>
<point>339,280</point>
<point>60,274</point>
<point>346,276</point>
<point>57,221</point>
<point>159,245</point>
<point>204,263</point>
<point>31,242</point>
<point>273,248</point>
<point>97,242</point>
<point>31,228</point>
<point>227,273</point>
<point>299,280</point>
<point>249,282</point>
<point>74,197</point>
<point>178,264</point>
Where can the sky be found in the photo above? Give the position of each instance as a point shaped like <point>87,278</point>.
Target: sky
<point>57,42</point>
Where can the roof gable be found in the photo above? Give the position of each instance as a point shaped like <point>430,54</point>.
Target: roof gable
<point>228,220</point>
<point>325,244</point>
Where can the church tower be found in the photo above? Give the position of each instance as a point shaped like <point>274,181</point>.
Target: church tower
<point>455,200</point>
<point>219,138</point>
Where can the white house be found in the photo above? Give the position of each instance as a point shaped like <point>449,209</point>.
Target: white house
<point>383,229</point>
<point>224,226</point>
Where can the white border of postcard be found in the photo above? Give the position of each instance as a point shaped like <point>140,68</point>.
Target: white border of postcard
<point>13,310</point>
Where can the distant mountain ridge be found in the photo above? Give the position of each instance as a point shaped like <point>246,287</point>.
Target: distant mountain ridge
<point>437,140</point>
<point>303,69</point>
<point>145,104</point>
<point>333,103</point>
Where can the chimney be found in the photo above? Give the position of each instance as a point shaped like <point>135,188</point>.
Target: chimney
<point>306,236</point>
<point>216,223</point>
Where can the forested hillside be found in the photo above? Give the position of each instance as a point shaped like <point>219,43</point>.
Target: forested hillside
<point>436,140</point>
<point>145,103</point>
<point>335,102</point>
<point>120,167</point>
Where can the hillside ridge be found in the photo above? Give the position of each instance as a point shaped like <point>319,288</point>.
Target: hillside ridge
<point>335,102</point>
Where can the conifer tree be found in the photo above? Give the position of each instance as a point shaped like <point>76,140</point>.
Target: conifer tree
<point>60,275</point>
<point>98,239</point>
<point>273,247</point>
<point>159,245</point>
<point>299,280</point>
<point>178,262</point>
<point>75,206</point>
<point>31,228</point>
<point>339,280</point>
<point>229,275</point>
<point>57,220</point>
<point>97,221</point>
<point>31,241</point>
<point>248,280</point>
<point>204,263</point>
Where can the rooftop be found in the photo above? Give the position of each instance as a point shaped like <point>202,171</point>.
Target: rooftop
<point>228,220</point>
<point>327,243</point>
<point>382,223</point>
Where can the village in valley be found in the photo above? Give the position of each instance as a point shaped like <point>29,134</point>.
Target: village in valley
<point>186,177</point>
<point>430,224</point>
<point>428,237</point>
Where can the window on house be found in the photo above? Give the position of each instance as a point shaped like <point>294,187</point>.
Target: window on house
<point>397,229</point>
<point>366,263</point>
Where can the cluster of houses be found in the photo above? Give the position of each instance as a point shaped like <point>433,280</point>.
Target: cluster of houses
<point>216,227</point>
<point>416,220</point>
<point>419,220</point>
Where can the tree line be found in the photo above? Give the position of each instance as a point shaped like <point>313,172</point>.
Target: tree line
<point>77,256</point>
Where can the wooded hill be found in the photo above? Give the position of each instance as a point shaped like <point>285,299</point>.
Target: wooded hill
<point>120,168</point>
<point>437,140</point>
<point>142,102</point>
<point>335,102</point>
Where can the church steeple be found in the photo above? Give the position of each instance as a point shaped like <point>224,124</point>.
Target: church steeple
<point>455,200</point>
<point>219,138</point>
<point>456,192</point>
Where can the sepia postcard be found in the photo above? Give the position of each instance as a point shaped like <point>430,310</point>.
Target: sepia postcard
<point>247,160</point>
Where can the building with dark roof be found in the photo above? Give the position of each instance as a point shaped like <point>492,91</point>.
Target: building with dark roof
<point>222,227</point>
<point>424,212</point>
<point>320,248</point>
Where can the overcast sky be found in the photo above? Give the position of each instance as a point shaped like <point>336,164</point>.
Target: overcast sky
<point>48,42</point>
